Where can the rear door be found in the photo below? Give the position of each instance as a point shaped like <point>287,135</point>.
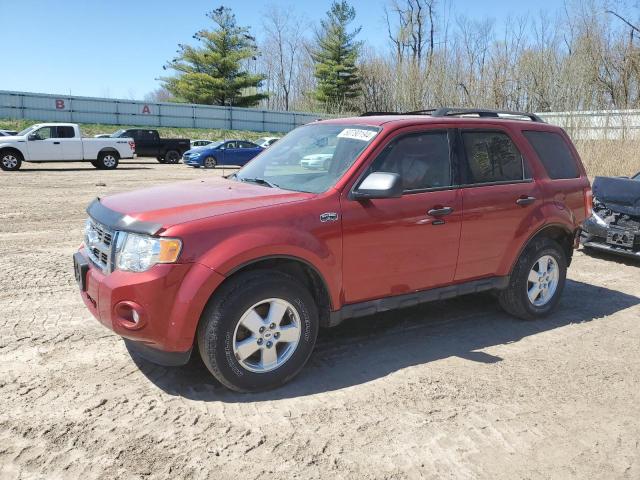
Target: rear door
<point>498,196</point>
<point>248,150</point>
<point>71,144</point>
<point>399,245</point>
<point>43,144</point>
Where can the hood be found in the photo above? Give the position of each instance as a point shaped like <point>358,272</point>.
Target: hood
<point>198,149</point>
<point>181,202</point>
<point>622,195</point>
<point>11,138</point>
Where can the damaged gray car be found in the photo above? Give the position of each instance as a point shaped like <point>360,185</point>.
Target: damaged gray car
<point>614,225</point>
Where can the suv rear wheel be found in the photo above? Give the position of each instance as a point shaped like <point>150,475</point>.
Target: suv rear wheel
<point>258,331</point>
<point>537,281</point>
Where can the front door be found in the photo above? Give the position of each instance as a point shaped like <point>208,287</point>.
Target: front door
<point>401,245</point>
<point>43,144</point>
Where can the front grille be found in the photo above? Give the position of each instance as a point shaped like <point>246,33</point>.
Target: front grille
<point>99,241</point>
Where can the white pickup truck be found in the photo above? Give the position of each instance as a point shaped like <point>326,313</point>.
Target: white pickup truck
<point>62,142</point>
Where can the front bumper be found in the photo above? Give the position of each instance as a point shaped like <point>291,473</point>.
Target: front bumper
<point>594,235</point>
<point>168,300</point>
<point>192,162</point>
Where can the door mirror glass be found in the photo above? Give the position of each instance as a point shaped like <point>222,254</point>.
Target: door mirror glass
<point>33,136</point>
<point>379,185</point>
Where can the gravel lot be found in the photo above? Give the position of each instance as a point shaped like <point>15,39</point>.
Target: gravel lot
<point>453,389</point>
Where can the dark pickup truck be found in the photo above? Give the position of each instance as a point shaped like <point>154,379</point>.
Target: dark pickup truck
<point>149,144</point>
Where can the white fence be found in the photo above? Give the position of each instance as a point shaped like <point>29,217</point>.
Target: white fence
<point>67,108</point>
<point>598,124</point>
<point>603,124</point>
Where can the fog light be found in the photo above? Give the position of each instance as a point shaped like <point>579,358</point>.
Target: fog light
<point>130,315</point>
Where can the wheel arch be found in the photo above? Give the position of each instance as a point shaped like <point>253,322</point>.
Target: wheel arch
<point>13,149</point>
<point>106,150</point>
<point>561,233</point>
<point>297,267</point>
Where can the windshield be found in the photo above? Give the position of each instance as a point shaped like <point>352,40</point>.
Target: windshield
<point>287,163</point>
<point>27,130</point>
<point>117,134</point>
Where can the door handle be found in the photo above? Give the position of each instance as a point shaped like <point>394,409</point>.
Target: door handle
<point>524,201</point>
<point>56,143</point>
<point>440,212</point>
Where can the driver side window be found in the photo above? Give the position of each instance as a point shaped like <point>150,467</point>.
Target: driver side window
<point>43,133</point>
<point>422,160</point>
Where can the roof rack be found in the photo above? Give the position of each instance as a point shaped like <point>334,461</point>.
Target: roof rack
<point>485,113</point>
<point>454,112</point>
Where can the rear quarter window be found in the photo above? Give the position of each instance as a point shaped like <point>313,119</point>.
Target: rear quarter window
<point>554,153</point>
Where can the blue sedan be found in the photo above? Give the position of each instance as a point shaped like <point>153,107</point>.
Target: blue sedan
<point>228,152</point>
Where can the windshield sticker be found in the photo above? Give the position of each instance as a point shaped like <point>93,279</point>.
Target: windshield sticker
<point>357,134</point>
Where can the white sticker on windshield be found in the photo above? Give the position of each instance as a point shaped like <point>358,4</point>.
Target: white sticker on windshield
<point>357,134</point>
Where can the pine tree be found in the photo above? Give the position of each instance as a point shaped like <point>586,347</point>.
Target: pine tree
<point>215,73</point>
<point>335,58</point>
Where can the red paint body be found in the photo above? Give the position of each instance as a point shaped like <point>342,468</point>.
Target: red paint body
<point>377,249</point>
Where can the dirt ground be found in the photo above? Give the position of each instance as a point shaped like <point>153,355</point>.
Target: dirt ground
<point>454,389</point>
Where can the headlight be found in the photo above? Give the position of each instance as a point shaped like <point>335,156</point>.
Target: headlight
<point>138,253</point>
<point>599,219</point>
<point>194,155</point>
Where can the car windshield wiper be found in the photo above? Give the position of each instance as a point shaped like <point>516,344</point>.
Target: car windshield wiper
<point>259,181</point>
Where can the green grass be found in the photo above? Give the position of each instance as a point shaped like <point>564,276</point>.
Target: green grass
<point>91,129</point>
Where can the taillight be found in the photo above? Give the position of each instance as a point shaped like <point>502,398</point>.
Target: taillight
<point>132,144</point>
<point>588,202</point>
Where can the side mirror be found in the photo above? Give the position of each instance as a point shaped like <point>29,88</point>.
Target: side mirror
<point>222,147</point>
<point>32,137</point>
<point>379,185</point>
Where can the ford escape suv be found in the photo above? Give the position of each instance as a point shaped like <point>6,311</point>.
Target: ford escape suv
<point>244,270</point>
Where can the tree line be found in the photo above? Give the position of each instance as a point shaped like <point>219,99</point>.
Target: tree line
<point>584,56</point>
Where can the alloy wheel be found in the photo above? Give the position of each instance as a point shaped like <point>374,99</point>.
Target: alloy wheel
<point>543,280</point>
<point>267,335</point>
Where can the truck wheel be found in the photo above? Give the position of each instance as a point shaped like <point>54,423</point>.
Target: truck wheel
<point>536,282</point>
<point>10,161</point>
<point>161,160</point>
<point>210,162</point>
<point>172,156</point>
<point>258,331</point>
<point>108,160</point>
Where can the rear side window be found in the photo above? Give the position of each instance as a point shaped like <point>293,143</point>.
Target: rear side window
<point>66,132</point>
<point>554,153</point>
<point>492,157</point>
<point>422,160</point>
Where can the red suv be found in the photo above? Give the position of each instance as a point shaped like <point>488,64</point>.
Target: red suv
<point>401,209</point>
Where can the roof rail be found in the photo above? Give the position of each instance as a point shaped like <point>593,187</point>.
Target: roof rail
<point>374,114</point>
<point>452,112</point>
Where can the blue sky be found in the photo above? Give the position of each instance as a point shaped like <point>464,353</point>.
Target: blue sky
<point>116,48</point>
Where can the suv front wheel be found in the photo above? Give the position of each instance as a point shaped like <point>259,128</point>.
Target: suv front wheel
<point>537,281</point>
<point>258,331</point>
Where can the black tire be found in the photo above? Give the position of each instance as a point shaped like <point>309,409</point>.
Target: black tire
<point>95,163</point>
<point>161,160</point>
<point>10,160</point>
<point>515,299</point>
<point>107,161</point>
<point>223,313</point>
<point>172,156</point>
<point>209,162</point>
